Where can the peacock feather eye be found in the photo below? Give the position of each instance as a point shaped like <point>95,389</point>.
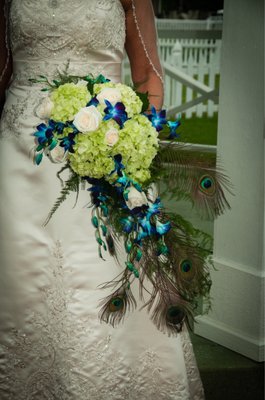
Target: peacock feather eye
<point>187,269</point>
<point>186,265</point>
<point>116,304</point>
<point>175,315</point>
<point>207,184</point>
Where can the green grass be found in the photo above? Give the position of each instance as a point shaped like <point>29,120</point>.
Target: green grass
<point>199,130</point>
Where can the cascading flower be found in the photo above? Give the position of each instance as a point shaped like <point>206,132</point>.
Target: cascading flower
<point>101,132</point>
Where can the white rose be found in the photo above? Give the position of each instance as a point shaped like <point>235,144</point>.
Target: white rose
<point>112,136</point>
<point>135,198</point>
<point>57,155</point>
<point>113,95</point>
<point>45,108</point>
<point>152,192</point>
<point>87,119</point>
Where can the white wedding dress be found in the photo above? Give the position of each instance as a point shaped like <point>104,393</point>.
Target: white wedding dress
<point>53,345</point>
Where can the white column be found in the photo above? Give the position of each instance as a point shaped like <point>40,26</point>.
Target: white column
<point>237,317</point>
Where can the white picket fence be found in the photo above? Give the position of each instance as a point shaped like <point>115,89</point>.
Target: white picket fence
<point>167,27</point>
<point>191,66</point>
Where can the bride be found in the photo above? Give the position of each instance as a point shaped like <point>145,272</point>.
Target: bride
<point>52,344</point>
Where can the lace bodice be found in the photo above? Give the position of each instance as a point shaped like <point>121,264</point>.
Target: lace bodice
<point>46,35</point>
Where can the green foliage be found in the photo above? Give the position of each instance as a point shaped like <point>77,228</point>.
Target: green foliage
<point>71,185</point>
<point>144,99</point>
<point>198,238</point>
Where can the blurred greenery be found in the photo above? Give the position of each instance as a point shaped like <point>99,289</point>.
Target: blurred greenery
<point>199,130</point>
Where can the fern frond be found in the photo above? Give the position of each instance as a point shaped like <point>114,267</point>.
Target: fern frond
<point>71,185</point>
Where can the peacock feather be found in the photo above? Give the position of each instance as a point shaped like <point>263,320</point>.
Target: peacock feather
<point>168,308</point>
<point>168,257</point>
<point>185,177</point>
<point>114,307</point>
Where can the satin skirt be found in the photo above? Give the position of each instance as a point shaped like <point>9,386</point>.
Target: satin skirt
<point>52,344</point>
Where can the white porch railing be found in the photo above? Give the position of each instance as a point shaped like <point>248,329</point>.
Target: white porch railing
<point>188,28</point>
<point>191,65</point>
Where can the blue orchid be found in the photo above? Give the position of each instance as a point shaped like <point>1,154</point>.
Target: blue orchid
<point>68,142</point>
<point>93,102</point>
<point>118,165</point>
<point>154,208</point>
<point>122,180</point>
<point>127,224</point>
<point>116,112</point>
<point>146,225</point>
<point>173,126</point>
<point>158,119</point>
<point>141,234</point>
<point>45,138</point>
<point>161,228</point>
<point>59,127</point>
<point>97,190</point>
<point>44,133</point>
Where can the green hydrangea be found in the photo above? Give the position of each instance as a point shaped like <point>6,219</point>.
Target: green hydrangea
<point>92,155</point>
<point>68,99</point>
<point>138,145</point>
<point>129,98</point>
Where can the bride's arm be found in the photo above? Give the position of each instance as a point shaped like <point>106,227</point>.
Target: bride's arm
<point>5,58</point>
<point>141,47</point>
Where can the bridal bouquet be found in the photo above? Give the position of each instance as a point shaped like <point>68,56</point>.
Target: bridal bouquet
<point>106,135</point>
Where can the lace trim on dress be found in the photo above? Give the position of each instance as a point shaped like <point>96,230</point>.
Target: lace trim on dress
<point>10,124</point>
<point>15,112</point>
<point>22,108</point>
<point>24,70</point>
<point>53,31</point>
<point>50,359</point>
